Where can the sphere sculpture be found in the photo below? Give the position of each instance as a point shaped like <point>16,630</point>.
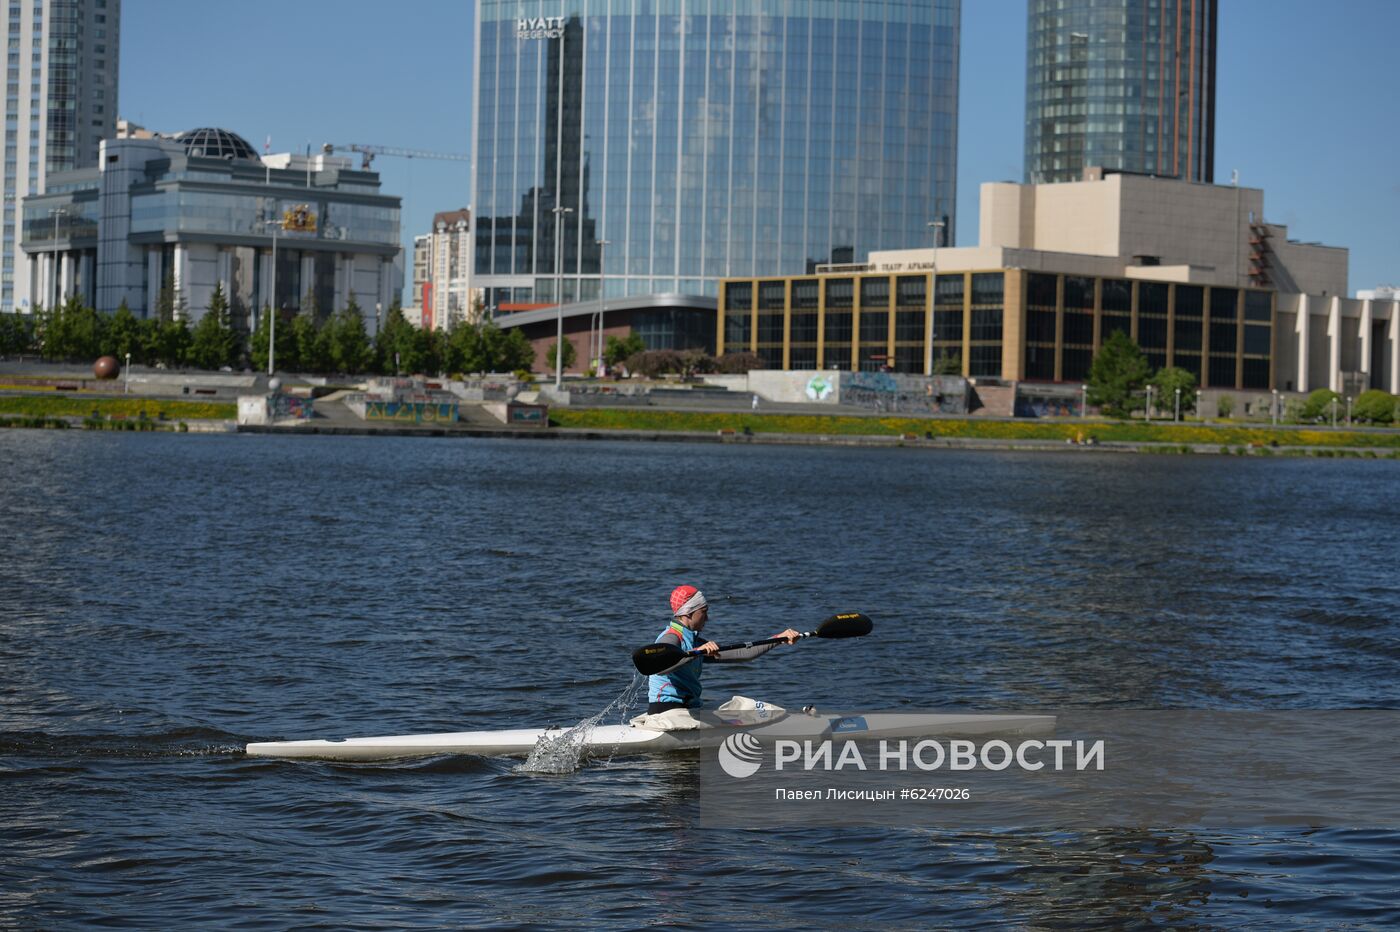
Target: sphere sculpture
<point>106,367</point>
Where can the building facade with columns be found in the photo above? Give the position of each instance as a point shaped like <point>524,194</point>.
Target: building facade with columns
<point>1191,272</point>
<point>201,209</point>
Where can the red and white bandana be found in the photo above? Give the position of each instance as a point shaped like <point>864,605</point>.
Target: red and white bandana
<point>686,599</point>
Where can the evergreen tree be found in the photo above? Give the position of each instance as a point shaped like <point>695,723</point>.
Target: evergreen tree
<point>516,353</point>
<point>395,337</point>
<point>213,344</point>
<point>1119,372</point>
<point>948,362</point>
<point>165,301</point>
<point>347,342</point>
<point>124,334</point>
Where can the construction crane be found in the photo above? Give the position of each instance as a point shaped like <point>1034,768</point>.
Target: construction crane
<point>368,152</point>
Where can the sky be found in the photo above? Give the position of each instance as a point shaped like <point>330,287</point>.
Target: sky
<point>1307,100</point>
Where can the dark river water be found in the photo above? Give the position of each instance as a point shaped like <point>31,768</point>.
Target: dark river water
<point>165,599</point>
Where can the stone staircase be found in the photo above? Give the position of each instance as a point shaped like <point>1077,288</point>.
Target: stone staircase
<point>993,401</point>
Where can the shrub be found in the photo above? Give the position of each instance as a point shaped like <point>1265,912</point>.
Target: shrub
<point>738,363</point>
<point>1374,406</point>
<point>1225,406</point>
<point>652,363</point>
<point>1319,405</point>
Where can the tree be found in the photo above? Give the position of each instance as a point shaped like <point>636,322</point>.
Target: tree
<point>617,349</point>
<point>1374,406</point>
<point>1318,407</point>
<point>16,334</point>
<point>393,339</point>
<point>739,363</point>
<point>1166,383</point>
<point>346,342</point>
<point>948,362</point>
<point>213,344</point>
<point>258,340</point>
<point>570,355</point>
<point>464,348</point>
<point>124,334</point>
<point>166,304</point>
<point>1118,373</point>
<point>306,343</point>
<point>172,342</point>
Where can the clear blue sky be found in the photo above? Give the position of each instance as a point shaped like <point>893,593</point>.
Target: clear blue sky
<point>1307,100</point>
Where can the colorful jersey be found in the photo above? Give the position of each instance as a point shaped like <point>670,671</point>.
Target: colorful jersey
<point>682,684</point>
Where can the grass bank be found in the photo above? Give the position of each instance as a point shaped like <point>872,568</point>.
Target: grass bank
<point>154,409</point>
<point>973,428</point>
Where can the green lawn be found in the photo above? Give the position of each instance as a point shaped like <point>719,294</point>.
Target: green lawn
<point>1055,431</point>
<point>69,406</point>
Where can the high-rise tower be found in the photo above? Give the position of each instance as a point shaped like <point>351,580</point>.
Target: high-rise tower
<point>657,148</point>
<point>60,102</point>
<point>1126,85</point>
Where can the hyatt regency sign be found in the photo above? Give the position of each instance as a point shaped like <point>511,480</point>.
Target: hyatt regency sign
<point>540,27</point>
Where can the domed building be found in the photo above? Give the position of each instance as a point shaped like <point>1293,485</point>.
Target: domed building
<point>200,209</point>
<point>214,143</point>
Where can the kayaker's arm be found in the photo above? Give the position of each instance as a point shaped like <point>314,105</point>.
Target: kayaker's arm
<point>742,654</point>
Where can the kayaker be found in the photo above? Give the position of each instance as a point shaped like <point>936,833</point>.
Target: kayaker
<point>680,688</point>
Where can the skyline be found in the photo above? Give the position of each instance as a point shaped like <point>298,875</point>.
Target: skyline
<point>1329,183</point>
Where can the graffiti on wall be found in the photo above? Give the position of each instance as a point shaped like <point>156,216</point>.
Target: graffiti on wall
<point>416,412</point>
<point>287,407</point>
<point>904,394</point>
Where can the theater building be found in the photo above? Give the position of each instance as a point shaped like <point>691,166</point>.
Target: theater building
<point>1191,272</point>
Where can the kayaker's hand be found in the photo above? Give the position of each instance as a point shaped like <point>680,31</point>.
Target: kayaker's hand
<point>708,648</point>
<point>790,635</point>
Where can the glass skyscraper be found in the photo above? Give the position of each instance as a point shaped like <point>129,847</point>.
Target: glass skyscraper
<point>660,145</point>
<point>1120,84</point>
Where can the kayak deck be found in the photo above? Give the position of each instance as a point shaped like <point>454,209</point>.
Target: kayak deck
<point>630,738</point>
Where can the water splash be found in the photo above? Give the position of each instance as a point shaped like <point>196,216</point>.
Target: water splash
<point>564,752</point>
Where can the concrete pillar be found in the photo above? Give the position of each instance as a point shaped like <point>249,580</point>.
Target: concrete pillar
<point>1300,327</point>
<point>308,279</point>
<point>1394,335</point>
<point>1334,344</point>
<point>224,272</point>
<point>153,281</point>
<point>1366,340</point>
<point>181,268</point>
<point>66,276</point>
<point>87,278</point>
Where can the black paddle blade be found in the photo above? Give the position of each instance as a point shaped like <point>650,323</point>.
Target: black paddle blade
<point>658,658</point>
<point>845,625</point>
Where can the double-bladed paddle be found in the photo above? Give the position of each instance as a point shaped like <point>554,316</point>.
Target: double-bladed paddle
<point>659,658</point>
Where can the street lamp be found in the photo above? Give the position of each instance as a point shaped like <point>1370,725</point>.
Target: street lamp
<point>126,375</point>
<point>1273,408</point>
<point>1149,402</point>
<point>1348,410</point>
<point>602,245</point>
<point>1083,400</point>
<point>1177,417</point>
<point>272,303</point>
<point>1334,410</point>
<point>937,227</point>
<point>559,213</point>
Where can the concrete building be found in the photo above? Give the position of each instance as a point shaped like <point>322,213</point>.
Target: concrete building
<point>445,291</point>
<point>60,102</point>
<point>1191,272</point>
<point>1125,84</point>
<point>201,209</point>
<point>655,149</point>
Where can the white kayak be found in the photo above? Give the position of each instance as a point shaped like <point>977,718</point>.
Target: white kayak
<point>630,738</point>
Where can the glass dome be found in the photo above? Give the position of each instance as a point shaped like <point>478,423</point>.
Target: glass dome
<point>213,143</point>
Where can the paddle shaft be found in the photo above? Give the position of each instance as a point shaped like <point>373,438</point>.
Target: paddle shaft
<point>759,643</point>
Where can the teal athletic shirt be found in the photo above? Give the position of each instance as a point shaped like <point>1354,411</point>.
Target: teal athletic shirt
<point>682,684</point>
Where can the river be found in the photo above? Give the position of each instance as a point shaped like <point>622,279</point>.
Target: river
<point>165,599</point>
